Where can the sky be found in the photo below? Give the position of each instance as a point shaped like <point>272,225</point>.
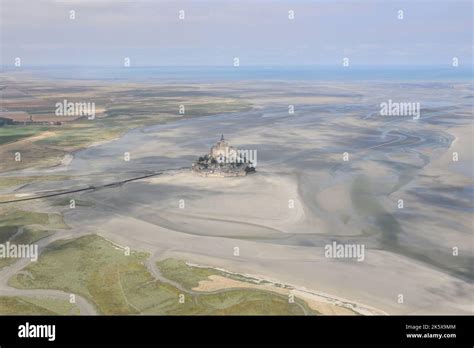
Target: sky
<point>213,33</point>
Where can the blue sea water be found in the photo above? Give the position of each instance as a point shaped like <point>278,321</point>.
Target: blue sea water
<point>209,74</point>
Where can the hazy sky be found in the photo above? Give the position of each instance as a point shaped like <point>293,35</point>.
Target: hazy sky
<point>214,32</point>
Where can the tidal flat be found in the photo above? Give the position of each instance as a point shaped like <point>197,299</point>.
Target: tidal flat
<point>334,170</point>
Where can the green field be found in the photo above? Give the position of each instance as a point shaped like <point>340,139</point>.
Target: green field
<point>189,277</point>
<point>13,133</point>
<point>17,305</point>
<point>65,201</point>
<point>26,227</point>
<point>119,284</point>
<point>13,181</point>
<point>130,109</point>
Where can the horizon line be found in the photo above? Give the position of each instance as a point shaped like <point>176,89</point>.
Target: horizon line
<point>448,66</point>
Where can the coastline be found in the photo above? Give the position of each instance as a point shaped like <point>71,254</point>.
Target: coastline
<point>312,297</point>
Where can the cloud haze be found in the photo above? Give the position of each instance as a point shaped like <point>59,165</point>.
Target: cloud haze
<point>213,32</point>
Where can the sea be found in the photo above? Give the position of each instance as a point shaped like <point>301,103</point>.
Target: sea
<point>202,74</point>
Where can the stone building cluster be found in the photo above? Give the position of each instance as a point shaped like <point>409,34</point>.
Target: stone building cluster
<point>222,161</point>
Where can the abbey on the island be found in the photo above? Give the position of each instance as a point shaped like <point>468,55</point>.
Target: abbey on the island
<point>223,161</point>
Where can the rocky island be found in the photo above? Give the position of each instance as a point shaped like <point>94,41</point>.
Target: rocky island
<point>225,161</point>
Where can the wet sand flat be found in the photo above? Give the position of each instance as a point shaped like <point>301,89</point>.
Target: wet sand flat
<point>304,195</point>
